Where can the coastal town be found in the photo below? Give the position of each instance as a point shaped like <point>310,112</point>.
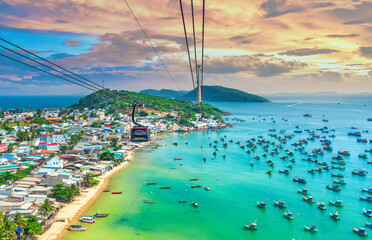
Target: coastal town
<point>53,161</point>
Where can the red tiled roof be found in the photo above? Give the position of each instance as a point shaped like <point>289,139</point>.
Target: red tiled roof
<point>46,135</point>
<point>42,143</point>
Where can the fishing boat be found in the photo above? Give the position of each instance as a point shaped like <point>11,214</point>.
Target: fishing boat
<point>177,158</point>
<point>196,186</point>
<point>304,191</point>
<point>261,204</point>
<point>207,188</point>
<point>252,226</point>
<point>252,164</point>
<point>269,172</point>
<point>362,140</point>
<point>367,212</point>
<point>194,179</point>
<point>149,201</point>
<point>182,201</point>
<point>100,215</point>
<point>368,198</point>
<point>368,224</point>
<point>106,191</point>
<point>322,206</point>
<point>116,192</point>
<point>334,187</point>
<point>341,181</point>
<point>364,156</point>
<point>360,231</point>
<point>87,219</point>
<point>194,204</point>
<point>299,180</point>
<point>312,171</point>
<point>312,228</point>
<point>76,228</point>
<point>285,171</point>
<point>334,216</point>
<point>289,215</point>
<point>354,133</point>
<point>166,187</point>
<point>339,175</point>
<point>345,153</point>
<point>338,203</point>
<point>151,183</point>
<point>369,190</point>
<point>309,199</point>
<point>361,172</point>
<point>279,204</point>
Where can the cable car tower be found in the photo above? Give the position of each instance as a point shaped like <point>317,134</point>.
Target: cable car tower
<point>199,86</point>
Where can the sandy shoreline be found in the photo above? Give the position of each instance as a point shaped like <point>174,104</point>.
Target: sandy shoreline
<point>72,211</point>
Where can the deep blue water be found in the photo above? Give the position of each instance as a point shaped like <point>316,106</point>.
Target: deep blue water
<point>36,102</point>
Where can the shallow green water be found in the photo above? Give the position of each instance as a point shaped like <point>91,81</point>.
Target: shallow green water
<point>235,185</point>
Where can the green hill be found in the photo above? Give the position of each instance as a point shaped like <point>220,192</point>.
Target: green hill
<point>223,94</point>
<point>103,99</point>
<point>167,93</point>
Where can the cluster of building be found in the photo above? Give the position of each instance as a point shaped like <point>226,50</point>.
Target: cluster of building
<point>65,148</point>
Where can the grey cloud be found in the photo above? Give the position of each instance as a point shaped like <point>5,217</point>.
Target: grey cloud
<point>326,76</point>
<point>308,51</point>
<point>342,36</point>
<point>275,8</point>
<point>366,52</point>
<point>322,5</point>
<point>355,22</point>
<point>72,43</point>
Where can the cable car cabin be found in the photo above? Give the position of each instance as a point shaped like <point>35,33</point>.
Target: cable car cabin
<point>140,134</point>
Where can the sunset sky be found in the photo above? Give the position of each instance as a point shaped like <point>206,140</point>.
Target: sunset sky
<point>258,46</point>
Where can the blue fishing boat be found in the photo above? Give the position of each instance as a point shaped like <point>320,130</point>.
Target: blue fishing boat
<point>367,212</point>
<point>360,231</point>
<point>334,216</point>
<point>304,191</point>
<point>252,226</point>
<point>369,190</point>
<point>368,224</point>
<point>338,203</point>
<point>279,204</point>
<point>289,215</point>
<point>322,206</point>
<point>368,198</point>
<point>312,228</point>
<point>76,228</point>
<point>261,204</point>
<point>300,180</point>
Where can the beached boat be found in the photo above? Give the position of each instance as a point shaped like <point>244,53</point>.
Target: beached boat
<point>309,199</point>
<point>285,171</point>
<point>299,180</point>
<point>304,191</point>
<point>341,181</point>
<point>194,204</point>
<point>166,187</point>
<point>76,228</point>
<point>322,206</point>
<point>367,212</point>
<point>312,228</point>
<point>369,190</point>
<point>368,224</point>
<point>334,216</point>
<point>338,203</point>
<point>116,192</point>
<point>87,219</point>
<point>289,215</point>
<point>279,204</point>
<point>261,204</point>
<point>149,201</point>
<point>196,186</point>
<point>151,183</point>
<point>368,198</point>
<point>252,226</point>
<point>360,231</point>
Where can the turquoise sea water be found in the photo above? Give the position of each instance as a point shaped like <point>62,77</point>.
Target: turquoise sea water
<point>36,102</point>
<point>235,185</point>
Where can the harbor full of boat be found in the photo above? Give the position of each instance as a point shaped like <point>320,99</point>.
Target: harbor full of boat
<point>315,181</point>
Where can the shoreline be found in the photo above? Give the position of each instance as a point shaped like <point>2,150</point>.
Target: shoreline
<point>71,211</point>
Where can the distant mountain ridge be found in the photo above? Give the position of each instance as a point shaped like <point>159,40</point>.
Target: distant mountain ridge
<point>210,93</point>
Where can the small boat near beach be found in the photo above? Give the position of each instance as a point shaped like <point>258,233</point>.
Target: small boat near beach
<point>76,228</point>
<point>166,187</point>
<point>149,201</point>
<point>151,183</point>
<point>196,186</point>
<point>106,191</point>
<point>261,204</point>
<point>312,228</point>
<point>116,192</point>
<point>87,219</point>
<point>360,231</point>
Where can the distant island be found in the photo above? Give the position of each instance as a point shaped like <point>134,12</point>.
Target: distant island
<point>121,101</point>
<point>210,93</point>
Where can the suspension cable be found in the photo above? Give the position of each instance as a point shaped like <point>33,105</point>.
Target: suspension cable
<point>193,30</point>
<point>188,51</point>
<point>202,65</point>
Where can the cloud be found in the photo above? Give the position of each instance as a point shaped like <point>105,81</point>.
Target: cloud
<point>275,8</point>
<point>327,76</point>
<point>322,5</point>
<point>366,52</point>
<point>250,64</point>
<point>308,51</point>
<point>355,22</point>
<point>342,36</point>
<point>72,43</point>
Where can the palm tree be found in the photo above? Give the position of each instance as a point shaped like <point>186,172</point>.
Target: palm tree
<point>46,208</point>
<point>74,190</point>
<point>7,228</point>
<point>19,220</point>
<point>87,178</point>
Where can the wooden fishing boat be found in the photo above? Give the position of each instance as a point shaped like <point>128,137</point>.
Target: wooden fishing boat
<point>312,228</point>
<point>194,204</point>
<point>116,192</point>
<point>194,179</point>
<point>101,215</point>
<point>367,212</point>
<point>322,206</point>
<point>87,219</point>
<point>76,228</point>
<point>338,203</point>
<point>151,183</point>
<point>334,216</point>
<point>309,199</point>
<point>261,204</point>
<point>166,187</point>
<point>279,204</point>
<point>149,201</point>
<point>360,231</point>
<point>196,186</point>
<point>182,201</point>
<point>299,180</point>
<point>368,224</point>
<point>177,158</point>
<point>368,198</point>
<point>252,226</point>
<point>304,191</point>
<point>106,190</point>
<point>289,215</point>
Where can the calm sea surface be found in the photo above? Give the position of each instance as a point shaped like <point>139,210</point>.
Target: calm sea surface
<point>36,102</point>
<point>235,185</point>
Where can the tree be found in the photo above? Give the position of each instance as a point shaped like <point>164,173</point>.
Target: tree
<point>59,191</point>
<point>64,148</point>
<point>7,228</point>
<point>46,207</point>
<point>113,142</point>
<point>32,225</point>
<point>88,179</point>
<point>107,156</point>
<point>23,136</point>
<point>74,190</point>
